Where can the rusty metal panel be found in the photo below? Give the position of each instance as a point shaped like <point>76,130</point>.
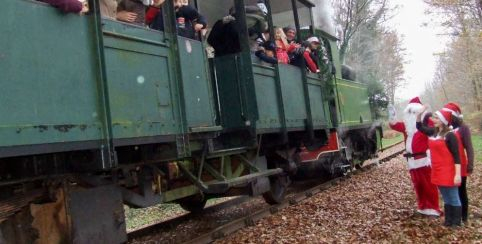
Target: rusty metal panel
<point>97,215</point>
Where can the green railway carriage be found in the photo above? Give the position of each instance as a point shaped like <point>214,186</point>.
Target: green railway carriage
<point>97,113</point>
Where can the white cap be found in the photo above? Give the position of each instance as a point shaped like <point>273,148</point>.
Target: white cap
<point>313,39</point>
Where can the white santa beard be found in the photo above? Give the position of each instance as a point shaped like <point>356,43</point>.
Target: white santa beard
<point>410,121</point>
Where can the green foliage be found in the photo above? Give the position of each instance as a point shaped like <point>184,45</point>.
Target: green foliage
<point>386,142</point>
<point>477,144</point>
<point>378,98</point>
<point>372,50</point>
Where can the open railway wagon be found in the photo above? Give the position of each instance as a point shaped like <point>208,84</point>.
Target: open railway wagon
<point>97,113</point>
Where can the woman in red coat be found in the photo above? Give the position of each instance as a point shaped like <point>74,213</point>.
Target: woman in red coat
<point>466,151</point>
<point>446,170</point>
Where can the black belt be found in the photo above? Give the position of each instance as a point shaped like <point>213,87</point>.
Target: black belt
<point>412,155</point>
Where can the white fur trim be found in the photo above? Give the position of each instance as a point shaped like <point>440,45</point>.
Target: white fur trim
<point>408,144</point>
<point>429,212</point>
<point>442,118</point>
<point>418,163</point>
<point>453,112</point>
<point>450,110</point>
<point>413,107</point>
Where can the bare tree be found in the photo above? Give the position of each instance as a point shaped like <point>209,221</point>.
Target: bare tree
<point>351,15</point>
<point>391,62</point>
<point>460,69</point>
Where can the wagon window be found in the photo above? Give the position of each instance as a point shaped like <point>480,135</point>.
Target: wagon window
<point>282,13</point>
<point>304,16</point>
<point>214,10</point>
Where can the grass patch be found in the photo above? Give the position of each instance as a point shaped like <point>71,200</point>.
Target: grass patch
<point>477,144</point>
<point>386,142</point>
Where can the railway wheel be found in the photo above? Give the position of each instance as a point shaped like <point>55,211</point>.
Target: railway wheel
<point>277,193</point>
<point>193,204</point>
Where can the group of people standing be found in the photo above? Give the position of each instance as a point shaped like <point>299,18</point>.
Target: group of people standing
<point>440,156</point>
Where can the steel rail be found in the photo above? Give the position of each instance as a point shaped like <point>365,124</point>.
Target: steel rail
<point>174,221</point>
<point>250,220</point>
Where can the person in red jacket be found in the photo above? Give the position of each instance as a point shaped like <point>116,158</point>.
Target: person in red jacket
<point>418,162</point>
<point>310,54</point>
<point>69,6</point>
<point>446,169</point>
<point>466,151</point>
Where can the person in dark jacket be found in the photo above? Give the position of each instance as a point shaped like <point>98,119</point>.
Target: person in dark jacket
<point>188,20</point>
<point>466,150</point>
<point>445,159</point>
<point>267,53</point>
<point>224,37</point>
<point>69,6</point>
<point>307,54</point>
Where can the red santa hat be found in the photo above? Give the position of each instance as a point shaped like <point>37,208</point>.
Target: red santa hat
<point>413,106</point>
<point>415,100</point>
<point>454,109</point>
<point>444,116</point>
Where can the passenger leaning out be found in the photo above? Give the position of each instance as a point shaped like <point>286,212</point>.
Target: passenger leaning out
<point>69,6</point>
<point>188,20</point>
<point>445,159</point>
<point>308,55</point>
<point>267,53</point>
<point>290,34</point>
<point>283,47</point>
<point>134,11</point>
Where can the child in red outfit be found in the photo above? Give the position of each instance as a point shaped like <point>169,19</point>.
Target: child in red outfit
<point>282,46</point>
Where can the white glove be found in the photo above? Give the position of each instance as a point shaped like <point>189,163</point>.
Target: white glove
<point>392,113</point>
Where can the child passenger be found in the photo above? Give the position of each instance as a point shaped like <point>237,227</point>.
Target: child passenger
<point>267,53</point>
<point>310,55</point>
<point>283,47</point>
<point>445,158</point>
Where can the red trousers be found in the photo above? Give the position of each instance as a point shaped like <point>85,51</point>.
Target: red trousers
<point>427,193</point>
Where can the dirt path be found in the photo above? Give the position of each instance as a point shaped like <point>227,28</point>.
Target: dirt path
<point>372,207</point>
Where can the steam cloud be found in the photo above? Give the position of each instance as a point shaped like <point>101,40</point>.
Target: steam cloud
<point>323,16</point>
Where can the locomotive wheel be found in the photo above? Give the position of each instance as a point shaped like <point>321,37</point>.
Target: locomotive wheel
<point>278,190</point>
<point>193,204</point>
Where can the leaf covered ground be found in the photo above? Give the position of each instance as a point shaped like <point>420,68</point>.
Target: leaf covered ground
<point>377,206</point>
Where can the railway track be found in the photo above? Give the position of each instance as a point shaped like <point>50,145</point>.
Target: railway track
<point>251,218</point>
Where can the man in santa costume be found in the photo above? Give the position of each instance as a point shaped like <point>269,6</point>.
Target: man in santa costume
<point>416,146</point>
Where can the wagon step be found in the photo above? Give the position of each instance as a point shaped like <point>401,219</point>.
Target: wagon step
<point>223,186</point>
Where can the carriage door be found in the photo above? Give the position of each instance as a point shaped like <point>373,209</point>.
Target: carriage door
<point>198,95</point>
